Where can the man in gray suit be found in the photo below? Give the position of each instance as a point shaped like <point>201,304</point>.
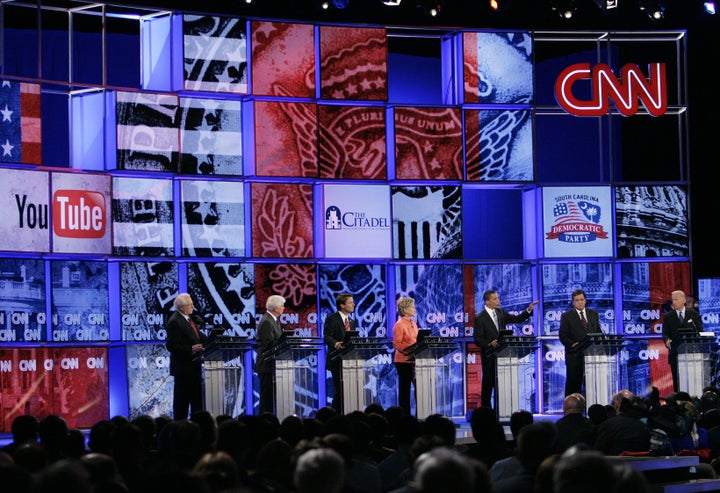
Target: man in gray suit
<point>268,333</point>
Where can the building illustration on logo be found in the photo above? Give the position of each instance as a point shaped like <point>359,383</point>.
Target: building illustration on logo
<point>332,218</point>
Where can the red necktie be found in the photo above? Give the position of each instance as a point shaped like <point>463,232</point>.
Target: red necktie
<point>192,324</point>
<point>584,320</point>
<point>347,324</point>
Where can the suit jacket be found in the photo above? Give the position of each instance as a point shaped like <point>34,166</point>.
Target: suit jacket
<point>572,329</point>
<point>333,332</point>
<point>180,339</point>
<point>484,330</point>
<point>672,322</point>
<point>268,332</point>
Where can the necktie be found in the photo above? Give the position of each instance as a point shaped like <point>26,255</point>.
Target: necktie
<point>194,327</point>
<point>680,315</point>
<point>584,320</point>
<point>347,324</point>
<point>495,318</point>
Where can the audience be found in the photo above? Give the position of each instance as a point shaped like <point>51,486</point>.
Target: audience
<point>373,451</point>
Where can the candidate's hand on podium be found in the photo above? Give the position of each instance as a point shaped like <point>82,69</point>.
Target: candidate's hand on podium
<point>197,347</point>
<point>575,344</point>
<point>494,342</point>
<point>338,345</point>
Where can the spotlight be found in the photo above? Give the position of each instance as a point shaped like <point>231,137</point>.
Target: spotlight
<point>336,4</point>
<point>565,8</point>
<point>655,9</point>
<point>430,7</point>
<point>709,7</point>
<point>498,5</point>
<point>391,3</point>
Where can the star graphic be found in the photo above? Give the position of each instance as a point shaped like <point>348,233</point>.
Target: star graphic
<point>7,148</point>
<point>6,113</point>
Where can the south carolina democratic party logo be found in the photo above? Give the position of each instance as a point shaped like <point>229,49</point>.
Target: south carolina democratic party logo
<point>576,219</point>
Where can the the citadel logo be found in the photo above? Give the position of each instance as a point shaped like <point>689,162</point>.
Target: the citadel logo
<point>335,219</point>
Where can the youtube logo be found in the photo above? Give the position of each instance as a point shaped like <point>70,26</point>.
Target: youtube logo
<point>79,214</point>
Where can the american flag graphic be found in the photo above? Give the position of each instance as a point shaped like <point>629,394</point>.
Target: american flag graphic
<point>571,211</point>
<point>20,123</point>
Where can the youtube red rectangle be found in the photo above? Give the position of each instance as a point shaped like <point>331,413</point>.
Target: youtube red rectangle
<point>80,213</point>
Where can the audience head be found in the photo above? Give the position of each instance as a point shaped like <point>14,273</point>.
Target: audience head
<point>535,443</point>
<point>442,469</point>
<point>573,404</point>
<point>219,470</point>
<point>709,401</point>
<point>518,420</point>
<point>24,428</point>
<point>618,397</point>
<point>584,471</point>
<point>597,413</point>
<point>319,470</point>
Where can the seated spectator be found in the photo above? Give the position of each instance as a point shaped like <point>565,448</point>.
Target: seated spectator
<point>625,432</point>
<point>535,444</point>
<point>490,442</point>
<point>709,409</point>
<point>573,427</point>
<point>319,470</point>
<point>510,466</point>
<point>444,469</point>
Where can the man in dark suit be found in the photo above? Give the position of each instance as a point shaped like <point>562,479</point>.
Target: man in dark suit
<point>575,324</point>
<point>185,343</point>
<point>486,334</point>
<point>678,317</point>
<point>268,333</point>
<point>334,333</point>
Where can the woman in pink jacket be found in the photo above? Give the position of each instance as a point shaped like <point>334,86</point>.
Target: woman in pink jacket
<point>405,334</point>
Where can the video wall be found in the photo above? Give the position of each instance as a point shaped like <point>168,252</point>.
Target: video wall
<point>238,158</point>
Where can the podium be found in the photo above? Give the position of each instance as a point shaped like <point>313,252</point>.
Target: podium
<point>296,382</point>
<point>694,351</point>
<point>601,366</point>
<point>357,355</point>
<point>433,385</point>
<point>224,382</point>
<point>514,385</point>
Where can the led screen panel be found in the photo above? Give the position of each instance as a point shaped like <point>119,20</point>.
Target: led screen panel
<point>71,382</point>
<point>23,316</point>
<point>81,213</point>
<point>24,197</point>
<point>297,283</point>
<point>428,144</point>
<point>499,145</point>
<point>80,304</point>
<point>357,221</point>
<point>210,136</point>
<point>286,139</point>
<point>427,222</point>
<point>492,213</point>
<point>213,218</point>
<point>652,221</point>
<point>353,63</point>
<point>224,296</point>
<point>498,67</point>
<point>283,59</point>
<point>150,386</point>
<point>577,221</point>
<point>367,284</point>
<point>351,142</point>
<point>148,136</point>
<point>215,54</point>
<point>560,280</point>
<point>282,220</point>
<point>147,291</point>
<point>142,217</point>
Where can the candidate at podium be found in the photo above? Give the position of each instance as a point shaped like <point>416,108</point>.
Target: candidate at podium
<point>486,334</point>
<point>185,344</point>
<point>405,332</point>
<point>336,325</point>
<point>575,325</point>
<point>677,318</point>
<point>268,334</point>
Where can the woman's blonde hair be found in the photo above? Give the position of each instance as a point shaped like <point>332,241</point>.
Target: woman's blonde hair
<point>403,304</point>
